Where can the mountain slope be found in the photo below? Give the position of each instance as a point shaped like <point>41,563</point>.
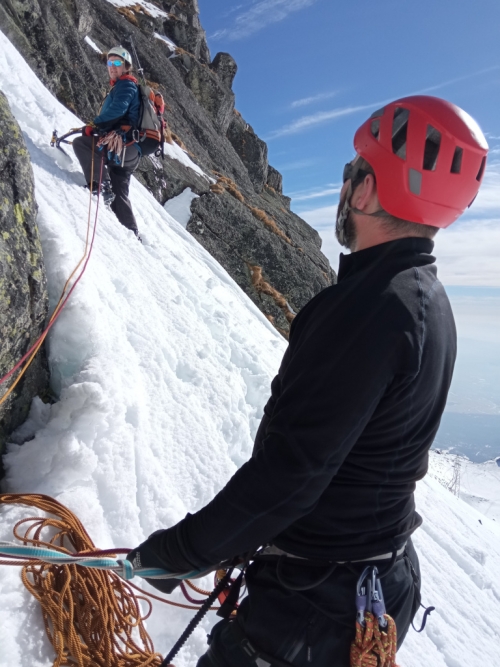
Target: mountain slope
<point>243,220</point>
<point>162,367</point>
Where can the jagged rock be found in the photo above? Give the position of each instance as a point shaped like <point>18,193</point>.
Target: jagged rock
<point>49,34</point>
<point>152,175</point>
<point>23,293</point>
<point>239,240</point>
<point>208,89</point>
<point>274,180</point>
<point>184,28</point>
<point>224,65</point>
<point>251,149</point>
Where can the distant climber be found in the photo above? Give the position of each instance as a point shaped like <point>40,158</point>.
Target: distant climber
<point>353,411</point>
<point>112,134</point>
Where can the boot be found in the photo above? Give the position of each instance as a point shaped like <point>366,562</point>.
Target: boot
<point>108,196</point>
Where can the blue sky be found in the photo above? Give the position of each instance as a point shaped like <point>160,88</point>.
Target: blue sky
<point>311,71</point>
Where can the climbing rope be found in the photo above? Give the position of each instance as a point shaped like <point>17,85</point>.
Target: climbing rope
<point>92,616</point>
<point>63,299</point>
<point>373,647</point>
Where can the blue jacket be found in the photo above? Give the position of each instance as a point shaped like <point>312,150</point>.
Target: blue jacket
<point>121,106</point>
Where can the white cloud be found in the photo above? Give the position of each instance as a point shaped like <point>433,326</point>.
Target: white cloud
<point>315,194</point>
<point>306,101</point>
<point>317,118</point>
<point>259,16</point>
<point>306,122</point>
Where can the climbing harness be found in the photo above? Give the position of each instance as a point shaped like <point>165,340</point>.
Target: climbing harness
<point>90,609</point>
<point>375,644</point>
<point>65,294</point>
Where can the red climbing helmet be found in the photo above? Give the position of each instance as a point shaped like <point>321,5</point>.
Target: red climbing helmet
<point>428,156</point>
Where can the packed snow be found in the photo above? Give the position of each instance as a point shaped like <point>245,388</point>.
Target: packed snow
<point>146,7</point>
<point>92,44</point>
<point>161,366</point>
<point>478,484</point>
<point>167,41</point>
<point>180,207</point>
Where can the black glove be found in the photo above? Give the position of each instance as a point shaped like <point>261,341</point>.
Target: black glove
<point>149,554</point>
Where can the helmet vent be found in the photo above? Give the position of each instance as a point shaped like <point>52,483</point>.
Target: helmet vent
<point>431,150</point>
<point>415,181</point>
<point>481,169</point>
<point>378,113</point>
<point>400,131</point>
<point>375,128</point>
<point>456,165</point>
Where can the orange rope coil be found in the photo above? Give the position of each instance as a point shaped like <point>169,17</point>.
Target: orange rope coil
<point>92,617</point>
<point>373,647</point>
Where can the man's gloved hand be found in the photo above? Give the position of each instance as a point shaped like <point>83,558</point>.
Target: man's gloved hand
<point>147,554</point>
<point>88,130</point>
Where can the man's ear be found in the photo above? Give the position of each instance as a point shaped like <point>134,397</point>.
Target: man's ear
<point>365,193</point>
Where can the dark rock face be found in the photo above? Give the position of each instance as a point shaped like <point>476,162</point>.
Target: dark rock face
<point>50,35</point>
<point>243,219</point>
<point>23,293</point>
<point>251,150</point>
<point>184,28</point>
<point>225,67</point>
<point>207,87</point>
<point>275,180</point>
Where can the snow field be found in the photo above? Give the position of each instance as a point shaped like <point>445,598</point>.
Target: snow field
<point>162,367</point>
<point>161,364</point>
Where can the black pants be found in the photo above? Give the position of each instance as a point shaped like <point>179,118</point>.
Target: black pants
<point>118,175</point>
<point>312,628</point>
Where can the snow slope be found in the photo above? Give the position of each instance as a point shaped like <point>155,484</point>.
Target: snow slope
<point>478,484</point>
<point>162,367</point>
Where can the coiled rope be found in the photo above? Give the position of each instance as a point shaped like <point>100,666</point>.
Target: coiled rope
<point>92,617</point>
<point>373,647</point>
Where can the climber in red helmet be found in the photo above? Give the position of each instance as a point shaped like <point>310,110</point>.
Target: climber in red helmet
<point>354,409</point>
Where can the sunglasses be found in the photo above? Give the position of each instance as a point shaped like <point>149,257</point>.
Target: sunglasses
<point>353,173</point>
<point>116,63</point>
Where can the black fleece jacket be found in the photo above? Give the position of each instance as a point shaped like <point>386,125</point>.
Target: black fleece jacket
<point>353,412</point>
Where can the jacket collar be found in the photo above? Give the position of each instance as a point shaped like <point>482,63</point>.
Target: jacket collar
<point>124,77</point>
<point>357,261</point>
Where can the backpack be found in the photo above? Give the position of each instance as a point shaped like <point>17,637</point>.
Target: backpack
<point>151,125</point>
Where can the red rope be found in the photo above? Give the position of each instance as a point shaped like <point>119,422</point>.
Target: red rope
<point>54,319</point>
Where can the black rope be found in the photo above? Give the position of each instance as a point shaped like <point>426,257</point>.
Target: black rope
<point>197,618</point>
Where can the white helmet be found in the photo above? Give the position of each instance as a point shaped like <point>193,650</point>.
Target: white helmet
<point>121,53</point>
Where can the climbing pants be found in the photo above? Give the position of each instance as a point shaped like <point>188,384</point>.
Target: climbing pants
<point>118,175</point>
<point>311,628</point>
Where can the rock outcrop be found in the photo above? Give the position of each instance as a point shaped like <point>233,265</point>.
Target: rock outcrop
<point>242,216</point>
<point>23,293</point>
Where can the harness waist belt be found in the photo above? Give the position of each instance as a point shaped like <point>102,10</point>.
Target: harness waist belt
<point>273,550</point>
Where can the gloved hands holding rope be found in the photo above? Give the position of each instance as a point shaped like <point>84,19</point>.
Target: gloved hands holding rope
<point>147,555</point>
<point>113,141</point>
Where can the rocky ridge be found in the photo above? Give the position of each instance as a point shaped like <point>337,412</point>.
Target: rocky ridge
<point>23,293</point>
<point>241,216</point>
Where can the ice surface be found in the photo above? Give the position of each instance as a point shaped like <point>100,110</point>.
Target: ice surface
<point>162,367</point>
<point>179,207</point>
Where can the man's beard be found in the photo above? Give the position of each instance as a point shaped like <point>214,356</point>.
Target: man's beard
<point>348,236</point>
